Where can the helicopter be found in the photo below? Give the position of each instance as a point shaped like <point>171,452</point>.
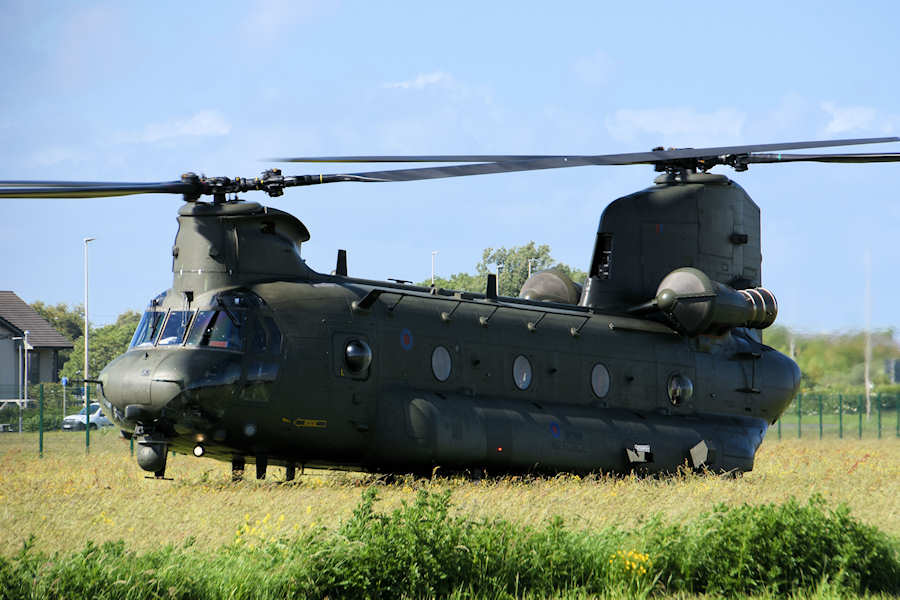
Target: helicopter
<point>653,363</point>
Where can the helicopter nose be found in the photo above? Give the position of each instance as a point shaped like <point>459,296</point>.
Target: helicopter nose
<point>138,385</point>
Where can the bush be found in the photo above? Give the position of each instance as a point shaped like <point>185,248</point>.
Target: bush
<point>422,550</point>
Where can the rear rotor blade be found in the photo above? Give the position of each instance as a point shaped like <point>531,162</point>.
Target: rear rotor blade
<point>652,157</point>
<point>826,158</point>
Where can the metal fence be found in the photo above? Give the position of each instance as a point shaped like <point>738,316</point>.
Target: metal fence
<point>840,416</point>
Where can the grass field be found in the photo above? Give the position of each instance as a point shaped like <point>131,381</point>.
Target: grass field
<point>68,497</point>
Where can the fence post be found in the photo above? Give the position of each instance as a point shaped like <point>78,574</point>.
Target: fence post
<point>840,416</point>
<point>878,402</point>
<point>779,429</point>
<point>131,439</point>
<point>41,422</point>
<point>897,410</point>
<point>859,410</point>
<point>820,416</point>
<point>800,416</point>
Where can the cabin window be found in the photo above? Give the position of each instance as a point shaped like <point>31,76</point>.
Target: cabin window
<point>600,380</point>
<point>441,363</point>
<point>522,372</point>
<point>148,329</point>
<point>175,327</point>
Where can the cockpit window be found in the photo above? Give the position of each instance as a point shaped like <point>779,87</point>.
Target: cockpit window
<point>217,329</point>
<point>202,324</point>
<point>175,327</point>
<point>147,329</point>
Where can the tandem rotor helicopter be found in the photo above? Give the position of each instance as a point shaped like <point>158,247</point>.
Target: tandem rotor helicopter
<point>654,362</point>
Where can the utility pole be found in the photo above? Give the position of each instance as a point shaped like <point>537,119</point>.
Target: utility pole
<point>87,389</point>
<point>433,254</point>
<point>868,351</point>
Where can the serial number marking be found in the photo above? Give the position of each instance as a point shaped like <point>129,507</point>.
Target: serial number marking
<point>313,423</point>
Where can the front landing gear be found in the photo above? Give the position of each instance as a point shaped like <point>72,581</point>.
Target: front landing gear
<point>152,456</point>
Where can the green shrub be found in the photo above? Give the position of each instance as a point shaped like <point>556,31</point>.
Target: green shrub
<point>422,550</point>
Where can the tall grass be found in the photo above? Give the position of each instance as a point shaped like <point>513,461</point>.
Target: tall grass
<point>422,550</point>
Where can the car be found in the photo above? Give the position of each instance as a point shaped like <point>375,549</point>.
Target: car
<point>77,421</point>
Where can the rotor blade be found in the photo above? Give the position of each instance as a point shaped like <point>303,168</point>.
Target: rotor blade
<point>560,162</point>
<point>655,156</point>
<point>434,158</point>
<point>826,158</point>
<point>77,189</point>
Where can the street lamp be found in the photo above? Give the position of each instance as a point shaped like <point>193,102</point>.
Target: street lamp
<point>433,254</point>
<point>23,375</point>
<point>87,393</point>
<point>86,330</point>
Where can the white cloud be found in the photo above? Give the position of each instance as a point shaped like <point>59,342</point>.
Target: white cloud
<point>422,81</point>
<point>201,123</point>
<point>845,119</point>
<point>595,69</point>
<point>268,21</point>
<point>677,125</point>
<point>46,157</point>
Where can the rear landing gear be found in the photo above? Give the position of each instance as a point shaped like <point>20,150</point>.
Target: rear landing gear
<point>237,468</point>
<point>290,471</point>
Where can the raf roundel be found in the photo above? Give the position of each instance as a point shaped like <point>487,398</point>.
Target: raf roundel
<point>406,339</point>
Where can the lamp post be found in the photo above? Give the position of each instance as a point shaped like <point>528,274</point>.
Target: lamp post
<point>22,375</point>
<point>87,392</point>
<point>433,254</point>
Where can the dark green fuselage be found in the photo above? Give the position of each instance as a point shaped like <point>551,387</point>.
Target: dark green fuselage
<point>286,394</point>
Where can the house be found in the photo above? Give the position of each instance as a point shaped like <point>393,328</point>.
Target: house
<point>44,346</point>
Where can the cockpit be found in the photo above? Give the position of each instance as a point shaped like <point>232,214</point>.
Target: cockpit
<point>235,322</point>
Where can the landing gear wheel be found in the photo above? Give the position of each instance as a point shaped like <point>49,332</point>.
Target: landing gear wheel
<point>152,457</point>
<point>237,468</point>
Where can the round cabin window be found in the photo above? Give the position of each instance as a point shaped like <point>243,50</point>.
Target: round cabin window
<point>441,363</point>
<point>522,372</point>
<point>681,388</point>
<point>600,380</point>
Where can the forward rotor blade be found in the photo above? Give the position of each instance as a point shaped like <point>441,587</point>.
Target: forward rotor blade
<point>826,158</point>
<point>88,189</point>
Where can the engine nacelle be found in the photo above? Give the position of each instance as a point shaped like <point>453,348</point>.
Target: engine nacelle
<point>697,304</point>
<point>552,285</point>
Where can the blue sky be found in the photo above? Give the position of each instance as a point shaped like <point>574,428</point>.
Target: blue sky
<point>143,92</point>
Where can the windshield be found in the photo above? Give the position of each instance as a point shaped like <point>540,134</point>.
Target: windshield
<point>175,327</point>
<point>94,408</point>
<point>147,329</point>
<point>216,329</point>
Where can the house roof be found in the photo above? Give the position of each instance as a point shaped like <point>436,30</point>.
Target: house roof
<point>17,313</point>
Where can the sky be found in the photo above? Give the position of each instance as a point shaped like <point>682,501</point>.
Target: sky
<point>116,91</point>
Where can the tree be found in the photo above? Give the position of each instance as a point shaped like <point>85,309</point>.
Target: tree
<point>107,342</point>
<point>512,265</point>
<point>69,323</point>
<point>834,362</point>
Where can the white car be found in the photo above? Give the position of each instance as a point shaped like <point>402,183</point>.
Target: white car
<point>77,421</point>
